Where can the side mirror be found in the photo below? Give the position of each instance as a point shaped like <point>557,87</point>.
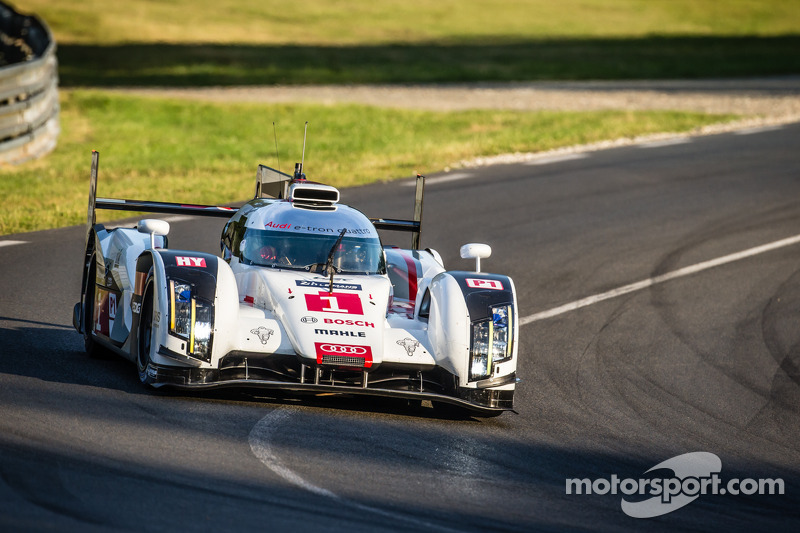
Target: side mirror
<point>153,227</point>
<point>477,252</point>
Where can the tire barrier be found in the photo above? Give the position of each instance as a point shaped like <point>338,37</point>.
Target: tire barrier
<point>29,123</point>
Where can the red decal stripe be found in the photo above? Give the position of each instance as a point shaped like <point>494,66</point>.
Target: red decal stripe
<point>411,263</point>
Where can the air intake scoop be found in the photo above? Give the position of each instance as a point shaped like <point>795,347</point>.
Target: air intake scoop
<point>308,194</point>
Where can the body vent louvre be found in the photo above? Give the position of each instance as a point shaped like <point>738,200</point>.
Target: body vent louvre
<point>358,362</point>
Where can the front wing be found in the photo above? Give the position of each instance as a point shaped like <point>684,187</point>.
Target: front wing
<point>286,373</point>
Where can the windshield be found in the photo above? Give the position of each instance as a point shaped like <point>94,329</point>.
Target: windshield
<point>308,252</point>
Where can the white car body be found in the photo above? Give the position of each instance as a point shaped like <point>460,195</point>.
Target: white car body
<point>405,327</point>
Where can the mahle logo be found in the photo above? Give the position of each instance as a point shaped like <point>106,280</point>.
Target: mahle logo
<point>694,474</point>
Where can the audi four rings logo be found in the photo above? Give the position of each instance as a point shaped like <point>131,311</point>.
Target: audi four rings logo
<point>344,350</point>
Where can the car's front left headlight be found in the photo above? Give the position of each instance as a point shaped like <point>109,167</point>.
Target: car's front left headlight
<point>491,342</point>
<point>191,319</point>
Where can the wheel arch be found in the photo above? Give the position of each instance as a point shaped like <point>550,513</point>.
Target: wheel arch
<point>149,265</point>
<point>212,281</point>
<point>459,299</point>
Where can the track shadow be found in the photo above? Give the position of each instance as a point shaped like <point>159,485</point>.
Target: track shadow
<point>492,59</point>
<point>54,353</point>
<point>68,489</point>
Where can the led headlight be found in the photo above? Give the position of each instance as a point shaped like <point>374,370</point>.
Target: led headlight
<point>180,317</point>
<point>481,362</point>
<point>491,342</point>
<point>200,340</point>
<point>191,319</point>
<point>501,333</point>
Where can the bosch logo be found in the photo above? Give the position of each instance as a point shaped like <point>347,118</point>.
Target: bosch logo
<point>308,320</point>
<point>342,322</point>
<point>342,349</point>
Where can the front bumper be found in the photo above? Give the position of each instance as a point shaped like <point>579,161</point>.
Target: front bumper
<point>287,373</point>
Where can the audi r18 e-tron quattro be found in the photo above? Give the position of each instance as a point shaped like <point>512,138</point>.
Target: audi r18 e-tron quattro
<point>303,297</point>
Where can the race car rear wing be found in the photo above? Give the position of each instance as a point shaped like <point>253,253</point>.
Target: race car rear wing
<point>270,183</point>
<point>414,225</point>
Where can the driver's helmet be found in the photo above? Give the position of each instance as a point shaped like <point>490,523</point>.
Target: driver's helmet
<point>262,250</point>
<point>352,257</point>
<point>267,253</point>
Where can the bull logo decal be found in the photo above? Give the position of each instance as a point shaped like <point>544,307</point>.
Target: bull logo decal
<point>409,344</point>
<point>263,333</point>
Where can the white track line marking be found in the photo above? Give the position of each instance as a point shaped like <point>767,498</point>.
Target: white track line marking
<point>11,243</point>
<point>545,160</point>
<point>649,282</point>
<point>557,158</point>
<point>260,439</point>
<point>171,219</point>
<point>665,142</point>
<point>441,179</point>
<point>751,131</point>
<point>178,218</point>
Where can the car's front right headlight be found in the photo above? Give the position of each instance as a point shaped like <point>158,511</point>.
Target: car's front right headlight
<point>491,342</point>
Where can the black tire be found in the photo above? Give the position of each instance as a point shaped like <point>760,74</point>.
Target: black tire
<point>92,348</point>
<point>144,335</point>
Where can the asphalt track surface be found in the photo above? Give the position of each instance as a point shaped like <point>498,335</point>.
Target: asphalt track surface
<point>708,361</point>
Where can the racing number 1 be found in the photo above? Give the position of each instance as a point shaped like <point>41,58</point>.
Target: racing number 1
<point>333,305</point>
<point>338,302</point>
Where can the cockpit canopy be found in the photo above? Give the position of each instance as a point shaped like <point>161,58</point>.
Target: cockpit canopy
<point>276,234</point>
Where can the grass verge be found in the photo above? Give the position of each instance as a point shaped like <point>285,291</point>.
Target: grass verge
<point>246,42</point>
<point>360,22</point>
<point>170,150</point>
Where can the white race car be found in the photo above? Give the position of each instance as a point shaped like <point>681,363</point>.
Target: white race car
<point>304,298</point>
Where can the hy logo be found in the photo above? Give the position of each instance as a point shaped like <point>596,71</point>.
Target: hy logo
<point>409,344</point>
<point>263,333</point>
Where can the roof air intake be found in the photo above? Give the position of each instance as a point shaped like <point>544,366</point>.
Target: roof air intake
<point>313,195</point>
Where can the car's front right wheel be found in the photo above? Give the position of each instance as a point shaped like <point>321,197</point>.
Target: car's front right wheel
<point>93,349</point>
<point>146,332</point>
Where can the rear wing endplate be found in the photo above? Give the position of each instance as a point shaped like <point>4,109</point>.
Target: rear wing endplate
<point>415,225</point>
<point>271,183</point>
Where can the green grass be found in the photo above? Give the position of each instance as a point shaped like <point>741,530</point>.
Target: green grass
<point>223,42</point>
<point>207,153</point>
<point>170,150</point>
<point>360,22</point>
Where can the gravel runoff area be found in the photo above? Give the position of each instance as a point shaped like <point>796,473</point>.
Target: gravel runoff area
<point>763,102</point>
